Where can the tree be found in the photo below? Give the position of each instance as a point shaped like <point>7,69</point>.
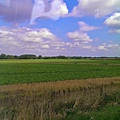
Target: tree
<point>3,56</point>
<point>10,57</point>
<point>40,57</point>
<point>16,57</point>
<point>27,56</point>
<point>62,57</point>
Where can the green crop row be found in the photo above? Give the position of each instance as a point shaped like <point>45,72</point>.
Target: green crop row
<point>23,71</point>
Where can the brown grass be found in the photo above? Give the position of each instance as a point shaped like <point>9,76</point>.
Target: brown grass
<point>52,100</point>
<point>46,86</point>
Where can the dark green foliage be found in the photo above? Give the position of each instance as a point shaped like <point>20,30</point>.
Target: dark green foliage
<point>105,113</point>
<point>10,57</point>
<point>27,56</point>
<point>3,56</point>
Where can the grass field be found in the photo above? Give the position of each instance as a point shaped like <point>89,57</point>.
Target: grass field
<point>59,89</point>
<point>29,71</point>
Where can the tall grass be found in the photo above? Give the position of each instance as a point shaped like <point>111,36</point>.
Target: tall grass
<point>58,100</point>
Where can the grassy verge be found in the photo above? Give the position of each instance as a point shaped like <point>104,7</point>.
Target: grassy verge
<point>105,113</point>
<point>61,100</point>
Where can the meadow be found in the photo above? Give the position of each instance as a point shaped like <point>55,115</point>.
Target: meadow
<point>60,89</point>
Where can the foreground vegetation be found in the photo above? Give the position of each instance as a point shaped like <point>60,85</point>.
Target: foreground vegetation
<point>97,99</point>
<point>60,89</point>
<point>29,71</point>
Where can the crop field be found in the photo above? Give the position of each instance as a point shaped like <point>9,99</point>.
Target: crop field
<point>59,89</point>
<point>29,71</point>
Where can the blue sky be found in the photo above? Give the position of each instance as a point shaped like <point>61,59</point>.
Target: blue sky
<point>60,27</point>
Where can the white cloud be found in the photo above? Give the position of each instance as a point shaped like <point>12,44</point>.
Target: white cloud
<point>79,36</point>
<point>84,46</point>
<point>30,47</point>
<point>97,8</point>
<point>69,44</point>
<point>85,27</point>
<point>26,39</point>
<point>18,11</point>
<point>7,38</point>
<point>111,46</point>
<point>4,33</point>
<point>45,46</point>
<point>88,47</point>
<point>58,9</point>
<point>114,31</point>
<point>41,34</point>
<point>80,39</point>
<point>43,41</point>
<point>101,47</point>
<point>108,47</point>
<point>113,22</point>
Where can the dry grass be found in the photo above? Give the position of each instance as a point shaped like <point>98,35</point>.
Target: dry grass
<point>46,86</point>
<point>52,100</point>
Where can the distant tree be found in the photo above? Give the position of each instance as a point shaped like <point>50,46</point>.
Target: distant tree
<point>40,57</point>
<point>62,57</point>
<point>46,57</point>
<point>3,56</point>
<point>28,56</point>
<point>16,57</point>
<point>10,57</point>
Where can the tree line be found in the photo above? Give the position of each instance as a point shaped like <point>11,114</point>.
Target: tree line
<point>32,56</point>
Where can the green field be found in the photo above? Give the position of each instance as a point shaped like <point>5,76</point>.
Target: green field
<point>29,71</point>
<point>75,96</point>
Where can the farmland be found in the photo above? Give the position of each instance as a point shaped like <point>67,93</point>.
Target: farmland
<point>59,89</point>
<point>29,71</point>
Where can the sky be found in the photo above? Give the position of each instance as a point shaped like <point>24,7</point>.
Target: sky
<point>60,27</point>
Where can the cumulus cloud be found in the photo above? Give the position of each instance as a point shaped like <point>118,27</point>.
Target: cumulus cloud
<point>113,22</point>
<point>83,46</point>
<point>17,11</point>
<point>27,39</point>
<point>85,27</point>
<point>97,8</point>
<point>81,39</point>
<point>43,41</point>
<point>45,46</point>
<point>101,47</point>
<point>108,47</point>
<point>79,36</point>
<point>41,34</point>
